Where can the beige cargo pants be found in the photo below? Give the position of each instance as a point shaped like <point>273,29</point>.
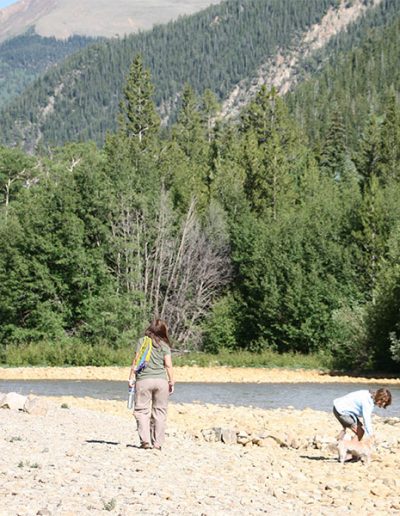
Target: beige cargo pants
<point>151,402</point>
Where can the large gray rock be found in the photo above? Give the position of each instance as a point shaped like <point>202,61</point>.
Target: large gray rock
<point>13,401</point>
<point>228,436</point>
<point>36,406</point>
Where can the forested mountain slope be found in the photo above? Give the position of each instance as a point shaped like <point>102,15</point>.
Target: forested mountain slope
<point>340,30</point>
<point>24,58</point>
<point>359,70</point>
<point>213,49</point>
<point>234,47</point>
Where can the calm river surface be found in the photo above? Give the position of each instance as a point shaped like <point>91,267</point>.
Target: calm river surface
<point>268,395</point>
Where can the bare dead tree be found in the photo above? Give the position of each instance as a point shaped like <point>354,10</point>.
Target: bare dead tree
<point>8,184</point>
<point>179,270</point>
<point>200,269</point>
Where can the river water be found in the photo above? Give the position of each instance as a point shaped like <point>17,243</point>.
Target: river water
<point>263,395</point>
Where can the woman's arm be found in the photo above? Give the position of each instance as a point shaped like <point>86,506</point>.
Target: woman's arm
<point>366,414</point>
<point>170,372</point>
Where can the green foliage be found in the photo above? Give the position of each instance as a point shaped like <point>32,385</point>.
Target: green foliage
<point>138,120</point>
<point>257,245</point>
<point>71,352</point>
<point>390,141</point>
<point>349,339</point>
<point>383,324</point>
<point>15,169</point>
<point>274,154</point>
<point>333,155</point>
<point>219,328</point>
<point>266,358</point>
<point>52,261</point>
<point>372,227</point>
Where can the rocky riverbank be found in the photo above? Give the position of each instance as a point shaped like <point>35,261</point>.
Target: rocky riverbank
<point>81,457</point>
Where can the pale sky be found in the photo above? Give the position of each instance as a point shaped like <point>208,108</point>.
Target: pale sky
<point>4,3</point>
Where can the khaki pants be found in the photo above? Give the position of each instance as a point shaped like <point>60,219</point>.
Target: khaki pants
<point>151,401</point>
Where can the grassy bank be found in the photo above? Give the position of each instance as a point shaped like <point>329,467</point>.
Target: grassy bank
<point>248,359</point>
<point>76,353</point>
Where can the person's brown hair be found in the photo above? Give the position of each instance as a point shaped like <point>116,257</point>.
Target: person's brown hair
<point>158,331</point>
<point>383,397</point>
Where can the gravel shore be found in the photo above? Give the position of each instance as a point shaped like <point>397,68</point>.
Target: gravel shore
<point>82,456</point>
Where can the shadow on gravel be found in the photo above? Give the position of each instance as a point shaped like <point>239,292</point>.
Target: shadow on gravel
<point>327,459</point>
<point>96,441</point>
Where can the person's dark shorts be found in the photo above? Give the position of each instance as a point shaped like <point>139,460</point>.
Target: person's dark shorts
<point>346,420</point>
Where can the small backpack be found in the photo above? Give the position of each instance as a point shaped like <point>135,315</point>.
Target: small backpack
<point>144,355</point>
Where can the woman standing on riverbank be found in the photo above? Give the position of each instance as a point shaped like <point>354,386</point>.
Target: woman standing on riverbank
<point>154,383</point>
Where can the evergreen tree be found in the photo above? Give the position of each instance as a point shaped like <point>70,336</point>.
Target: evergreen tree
<point>383,323</point>
<point>191,149</point>
<point>370,234</point>
<point>369,155</point>
<point>274,153</point>
<point>334,150</point>
<point>52,265</point>
<point>390,144</point>
<point>138,119</point>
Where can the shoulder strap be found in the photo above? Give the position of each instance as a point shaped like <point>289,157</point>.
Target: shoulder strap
<point>144,354</point>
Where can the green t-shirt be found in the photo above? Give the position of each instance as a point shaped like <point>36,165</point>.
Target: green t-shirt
<point>155,367</point>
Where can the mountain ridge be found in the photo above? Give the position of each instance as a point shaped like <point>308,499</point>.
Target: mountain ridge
<point>92,18</point>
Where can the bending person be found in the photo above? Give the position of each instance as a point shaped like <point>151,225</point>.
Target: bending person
<point>154,383</point>
<point>350,408</point>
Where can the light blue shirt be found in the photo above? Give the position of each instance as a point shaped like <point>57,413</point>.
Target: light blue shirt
<point>359,404</point>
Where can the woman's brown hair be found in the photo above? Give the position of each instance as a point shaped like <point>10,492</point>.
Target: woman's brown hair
<point>158,331</point>
<point>383,397</point>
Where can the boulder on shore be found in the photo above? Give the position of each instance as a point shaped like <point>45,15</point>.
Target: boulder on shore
<point>13,401</point>
<point>31,404</point>
<point>36,406</point>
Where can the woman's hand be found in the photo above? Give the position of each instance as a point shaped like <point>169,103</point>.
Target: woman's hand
<point>131,383</point>
<point>170,373</point>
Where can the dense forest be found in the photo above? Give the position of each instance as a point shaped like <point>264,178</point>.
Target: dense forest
<point>78,100</point>
<point>353,81</point>
<point>243,235</point>
<point>24,58</point>
<point>279,230</point>
<point>228,42</point>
